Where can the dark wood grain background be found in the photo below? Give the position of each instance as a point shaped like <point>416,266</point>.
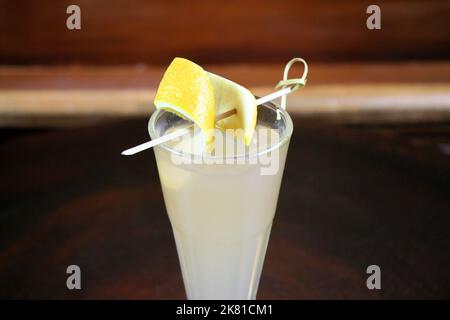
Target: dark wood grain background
<point>153,32</point>
<point>351,197</point>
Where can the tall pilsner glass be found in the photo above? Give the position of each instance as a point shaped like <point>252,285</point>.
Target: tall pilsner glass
<point>221,213</point>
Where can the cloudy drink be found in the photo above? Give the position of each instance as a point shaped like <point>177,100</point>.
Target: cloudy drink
<point>221,207</point>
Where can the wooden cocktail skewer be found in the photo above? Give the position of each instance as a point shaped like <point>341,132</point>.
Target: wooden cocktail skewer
<point>288,85</point>
<point>186,130</point>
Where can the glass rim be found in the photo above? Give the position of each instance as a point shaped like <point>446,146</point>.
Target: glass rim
<point>285,137</point>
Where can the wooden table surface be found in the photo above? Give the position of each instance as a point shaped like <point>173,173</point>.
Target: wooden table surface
<point>351,197</point>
